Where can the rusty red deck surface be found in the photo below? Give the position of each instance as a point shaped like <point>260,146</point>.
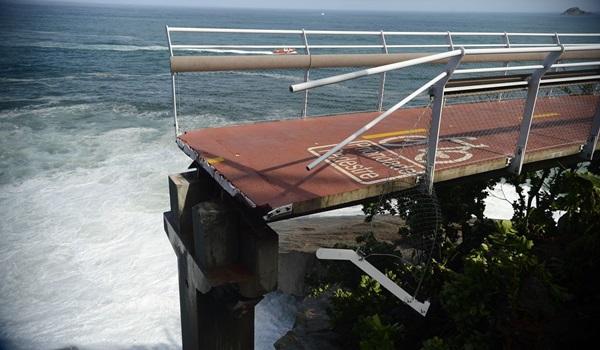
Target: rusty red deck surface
<point>266,162</point>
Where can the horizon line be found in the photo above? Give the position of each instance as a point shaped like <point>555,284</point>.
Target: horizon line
<point>99,3</point>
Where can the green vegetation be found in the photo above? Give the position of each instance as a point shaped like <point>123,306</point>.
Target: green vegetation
<point>532,282</point>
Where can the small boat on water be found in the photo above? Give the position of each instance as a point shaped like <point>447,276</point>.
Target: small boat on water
<point>285,51</point>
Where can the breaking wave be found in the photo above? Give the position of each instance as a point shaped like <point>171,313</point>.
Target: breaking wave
<point>93,47</point>
<point>117,47</point>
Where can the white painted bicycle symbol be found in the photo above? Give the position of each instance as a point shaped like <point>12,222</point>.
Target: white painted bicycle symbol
<point>445,155</point>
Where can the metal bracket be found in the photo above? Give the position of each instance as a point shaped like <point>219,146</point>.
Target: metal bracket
<point>533,88</point>
<point>590,145</point>
<point>278,213</point>
<point>436,119</point>
<point>361,263</point>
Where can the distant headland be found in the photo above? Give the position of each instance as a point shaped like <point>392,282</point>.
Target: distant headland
<point>575,11</point>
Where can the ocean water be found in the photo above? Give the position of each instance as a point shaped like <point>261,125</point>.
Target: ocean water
<point>86,142</point>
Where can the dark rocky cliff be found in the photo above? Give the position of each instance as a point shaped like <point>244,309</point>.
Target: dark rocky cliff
<point>575,11</point>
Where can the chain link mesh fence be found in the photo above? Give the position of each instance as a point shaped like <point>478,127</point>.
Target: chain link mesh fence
<point>563,115</point>
<point>479,127</point>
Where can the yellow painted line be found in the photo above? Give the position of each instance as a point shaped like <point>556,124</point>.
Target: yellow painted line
<point>417,131</point>
<point>393,133</point>
<point>214,160</point>
<point>546,115</point>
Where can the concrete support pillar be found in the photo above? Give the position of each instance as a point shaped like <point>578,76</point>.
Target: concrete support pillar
<point>216,235</point>
<point>227,260</point>
<point>186,190</point>
<point>224,320</point>
<point>187,303</point>
<point>259,253</point>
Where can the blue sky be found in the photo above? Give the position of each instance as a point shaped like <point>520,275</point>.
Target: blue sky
<point>376,5</point>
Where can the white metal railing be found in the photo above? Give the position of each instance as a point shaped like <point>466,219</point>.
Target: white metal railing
<point>449,36</point>
<point>533,84</point>
<point>370,71</point>
<point>435,57</point>
<point>383,45</point>
<point>456,52</point>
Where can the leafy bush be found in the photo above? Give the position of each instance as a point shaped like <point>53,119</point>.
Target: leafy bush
<point>356,313</point>
<point>528,283</point>
<point>375,335</point>
<point>485,300</point>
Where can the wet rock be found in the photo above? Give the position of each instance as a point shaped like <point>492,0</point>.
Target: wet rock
<point>312,329</point>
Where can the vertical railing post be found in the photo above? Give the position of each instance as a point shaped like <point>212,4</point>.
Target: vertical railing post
<point>173,86</point>
<point>306,74</point>
<point>436,120</point>
<point>174,96</point>
<point>507,45</point>
<point>533,88</point>
<point>556,39</point>
<point>590,146</point>
<point>449,41</point>
<point>382,84</point>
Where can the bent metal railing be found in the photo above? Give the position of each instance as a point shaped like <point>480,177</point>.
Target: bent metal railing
<point>587,54</point>
<point>438,84</point>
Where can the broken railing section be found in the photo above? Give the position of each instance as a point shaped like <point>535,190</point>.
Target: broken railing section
<point>438,87</point>
<point>227,260</point>
<point>368,72</point>
<point>385,281</point>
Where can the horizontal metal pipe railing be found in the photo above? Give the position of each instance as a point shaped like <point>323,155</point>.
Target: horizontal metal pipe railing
<point>529,67</point>
<point>431,58</point>
<point>389,46</point>
<point>251,62</point>
<point>497,69</point>
<point>518,83</point>
<point>370,71</point>
<point>576,64</point>
<point>448,43</point>
<point>378,33</point>
<point>180,64</point>
<point>533,49</point>
<point>571,79</point>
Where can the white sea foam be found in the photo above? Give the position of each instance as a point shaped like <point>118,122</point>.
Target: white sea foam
<point>95,47</point>
<point>85,246</point>
<point>92,75</point>
<point>122,47</point>
<point>73,34</point>
<point>285,77</point>
<point>274,316</point>
<point>84,260</point>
